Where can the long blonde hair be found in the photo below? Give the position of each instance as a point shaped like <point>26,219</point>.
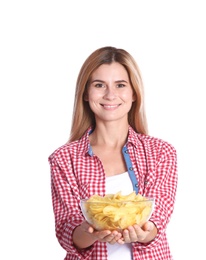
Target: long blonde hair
<point>83,117</point>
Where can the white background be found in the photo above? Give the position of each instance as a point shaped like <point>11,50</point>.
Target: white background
<point>42,47</point>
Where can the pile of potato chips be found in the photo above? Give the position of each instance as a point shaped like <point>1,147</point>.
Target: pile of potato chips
<point>117,211</point>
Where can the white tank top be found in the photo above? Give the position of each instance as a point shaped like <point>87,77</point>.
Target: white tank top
<point>114,184</point>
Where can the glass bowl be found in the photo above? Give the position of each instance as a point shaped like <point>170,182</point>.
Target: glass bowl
<point>106,213</point>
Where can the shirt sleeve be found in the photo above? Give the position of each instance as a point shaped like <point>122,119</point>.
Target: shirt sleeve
<point>65,200</point>
<point>161,185</point>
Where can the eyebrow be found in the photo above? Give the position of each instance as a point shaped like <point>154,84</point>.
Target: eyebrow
<point>117,81</point>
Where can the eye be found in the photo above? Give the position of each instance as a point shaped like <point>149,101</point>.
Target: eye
<point>121,85</point>
<point>99,85</point>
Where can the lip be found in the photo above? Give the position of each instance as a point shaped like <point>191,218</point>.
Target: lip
<point>110,107</point>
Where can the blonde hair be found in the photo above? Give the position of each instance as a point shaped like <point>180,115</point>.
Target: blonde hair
<point>83,117</point>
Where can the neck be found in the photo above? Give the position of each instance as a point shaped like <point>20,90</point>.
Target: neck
<point>109,135</point>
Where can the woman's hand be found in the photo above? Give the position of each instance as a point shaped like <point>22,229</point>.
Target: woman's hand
<point>85,235</point>
<point>143,234</point>
<point>108,236</point>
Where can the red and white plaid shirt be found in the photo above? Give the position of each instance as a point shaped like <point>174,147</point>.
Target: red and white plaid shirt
<point>76,173</point>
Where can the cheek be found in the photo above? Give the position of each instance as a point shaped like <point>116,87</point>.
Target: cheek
<point>94,95</point>
<point>129,96</point>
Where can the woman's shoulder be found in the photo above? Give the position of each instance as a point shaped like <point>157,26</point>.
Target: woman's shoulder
<point>151,142</point>
<point>63,150</point>
<point>72,148</point>
<point>157,143</point>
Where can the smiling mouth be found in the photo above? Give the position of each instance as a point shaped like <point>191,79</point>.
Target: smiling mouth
<point>110,106</point>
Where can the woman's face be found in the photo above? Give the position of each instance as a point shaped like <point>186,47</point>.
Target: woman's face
<point>110,93</point>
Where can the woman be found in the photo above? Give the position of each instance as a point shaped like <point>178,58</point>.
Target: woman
<point>109,150</point>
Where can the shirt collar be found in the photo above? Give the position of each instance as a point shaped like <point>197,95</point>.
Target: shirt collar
<point>85,147</point>
<point>84,144</point>
<point>133,137</point>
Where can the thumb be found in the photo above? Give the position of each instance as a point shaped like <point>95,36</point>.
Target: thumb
<point>148,226</point>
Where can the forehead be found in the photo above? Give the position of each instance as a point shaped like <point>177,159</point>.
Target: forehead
<point>114,70</point>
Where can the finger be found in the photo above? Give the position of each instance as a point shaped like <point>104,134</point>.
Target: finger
<point>126,237</point>
<point>148,226</point>
<point>106,234</point>
<point>134,232</point>
<point>114,237</point>
<point>90,230</point>
<point>113,241</point>
<point>121,241</point>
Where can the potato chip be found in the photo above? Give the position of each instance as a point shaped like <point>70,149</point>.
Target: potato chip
<point>117,211</point>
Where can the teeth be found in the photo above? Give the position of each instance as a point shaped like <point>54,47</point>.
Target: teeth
<point>110,106</point>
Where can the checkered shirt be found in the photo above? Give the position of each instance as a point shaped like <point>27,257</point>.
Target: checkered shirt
<point>76,173</point>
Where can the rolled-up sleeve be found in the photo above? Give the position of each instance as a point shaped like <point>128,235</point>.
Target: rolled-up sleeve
<point>66,208</point>
<point>162,185</point>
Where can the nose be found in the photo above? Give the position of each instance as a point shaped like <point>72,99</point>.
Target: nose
<point>110,93</point>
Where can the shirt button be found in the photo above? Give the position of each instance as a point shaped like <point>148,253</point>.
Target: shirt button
<point>130,168</point>
<point>126,151</point>
<point>136,185</point>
